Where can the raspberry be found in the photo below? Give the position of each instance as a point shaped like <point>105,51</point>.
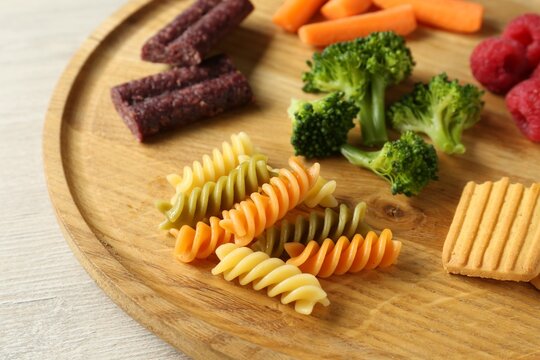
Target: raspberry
<point>536,73</point>
<point>523,102</point>
<point>526,30</point>
<point>499,64</point>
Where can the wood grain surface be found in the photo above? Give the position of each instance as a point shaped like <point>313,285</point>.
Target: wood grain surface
<point>103,185</point>
<point>50,308</point>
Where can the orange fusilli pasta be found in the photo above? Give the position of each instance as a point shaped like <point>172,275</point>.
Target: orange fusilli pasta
<point>251,217</point>
<point>201,242</point>
<point>321,194</point>
<point>344,255</point>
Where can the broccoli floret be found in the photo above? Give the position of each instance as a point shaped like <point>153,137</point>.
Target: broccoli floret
<point>320,127</point>
<point>338,68</point>
<point>441,109</point>
<point>408,163</point>
<point>362,69</point>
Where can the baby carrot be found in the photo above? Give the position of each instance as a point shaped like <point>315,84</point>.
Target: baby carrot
<point>452,15</point>
<point>336,9</point>
<point>294,13</point>
<point>399,19</point>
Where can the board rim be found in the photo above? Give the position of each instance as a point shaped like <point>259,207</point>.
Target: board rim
<point>99,262</point>
<point>77,233</point>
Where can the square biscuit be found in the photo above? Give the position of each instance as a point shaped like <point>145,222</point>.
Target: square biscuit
<point>495,232</point>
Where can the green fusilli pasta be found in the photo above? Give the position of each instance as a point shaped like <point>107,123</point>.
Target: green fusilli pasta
<point>317,226</point>
<point>212,167</point>
<point>213,197</point>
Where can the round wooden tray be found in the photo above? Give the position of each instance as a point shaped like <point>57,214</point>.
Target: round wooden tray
<point>103,185</point>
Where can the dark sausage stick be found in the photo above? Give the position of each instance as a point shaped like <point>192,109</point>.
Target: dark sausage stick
<point>192,35</point>
<point>180,96</point>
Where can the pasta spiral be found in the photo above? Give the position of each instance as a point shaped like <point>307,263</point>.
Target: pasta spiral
<point>317,226</point>
<point>344,255</point>
<point>322,194</point>
<point>251,217</point>
<point>265,272</point>
<point>213,167</point>
<point>214,197</point>
<point>201,242</point>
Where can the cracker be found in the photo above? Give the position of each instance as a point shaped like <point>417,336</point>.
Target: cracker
<point>495,232</point>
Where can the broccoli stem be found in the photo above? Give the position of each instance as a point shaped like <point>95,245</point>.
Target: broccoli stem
<point>357,156</point>
<point>456,133</point>
<point>440,133</point>
<point>444,141</point>
<point>372,114</point>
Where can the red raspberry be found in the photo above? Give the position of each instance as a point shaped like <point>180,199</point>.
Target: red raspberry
<point>499,64</point>
<point>536,73</point>
<point>523,101</point>
<point>526,30</point>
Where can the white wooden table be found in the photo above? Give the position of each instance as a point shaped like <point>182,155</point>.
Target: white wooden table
<point>49,307</point>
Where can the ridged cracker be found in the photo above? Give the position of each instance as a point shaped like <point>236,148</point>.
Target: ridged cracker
<point>495,232</point>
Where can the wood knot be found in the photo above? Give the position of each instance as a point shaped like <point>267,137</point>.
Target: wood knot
<point>393,212</point>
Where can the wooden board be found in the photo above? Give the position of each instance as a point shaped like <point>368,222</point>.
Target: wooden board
<point>103,185</point>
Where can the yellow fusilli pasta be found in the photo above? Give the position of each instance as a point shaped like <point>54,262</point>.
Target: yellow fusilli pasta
<point>211,168</point>
<point>272,273</point>
<point>251,217</point>
<point>344,255</point>
<point>330,224</point>
<point>201,242</point>
<point>322,194</point>
<point>214,197</point>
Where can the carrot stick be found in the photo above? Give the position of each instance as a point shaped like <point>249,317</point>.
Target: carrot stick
<point>337,9</point>
<point>399,19</point>
<point>452,15</point>
<point>294,13</point>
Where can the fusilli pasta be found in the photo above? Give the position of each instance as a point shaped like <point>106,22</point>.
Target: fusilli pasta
<point>316,226</point>
<point>344,255</point>
<point>211,168</point>
<point>322,194</point>
<point>214,197</point>
<point>201,242</point>
<point>251,217</point>
<point>272,273</point>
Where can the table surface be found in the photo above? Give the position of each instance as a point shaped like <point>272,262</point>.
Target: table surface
<point>49,306</point>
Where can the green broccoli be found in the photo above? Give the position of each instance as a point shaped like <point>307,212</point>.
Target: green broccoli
<point>362,69</point>
<point>408,163</point>
<point>320,127</point>
<point>441,109</point>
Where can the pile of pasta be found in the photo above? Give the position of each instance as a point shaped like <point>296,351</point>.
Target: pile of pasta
<point>278,229</point>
